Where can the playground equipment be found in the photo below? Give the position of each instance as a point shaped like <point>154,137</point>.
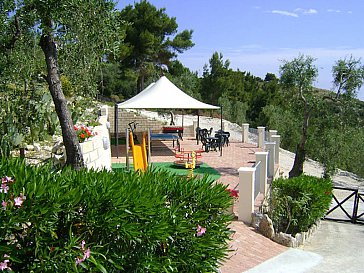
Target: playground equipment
<point>191,165</point>
<point>139,152</point>
<point>132,127</point>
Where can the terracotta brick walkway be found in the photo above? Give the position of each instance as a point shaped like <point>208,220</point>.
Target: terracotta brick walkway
<point>248,248</point>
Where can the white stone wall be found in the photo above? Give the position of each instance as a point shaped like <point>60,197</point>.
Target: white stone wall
<point>97,150</point>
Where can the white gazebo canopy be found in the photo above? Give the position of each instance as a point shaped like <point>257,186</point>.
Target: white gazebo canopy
<point>163,94</point>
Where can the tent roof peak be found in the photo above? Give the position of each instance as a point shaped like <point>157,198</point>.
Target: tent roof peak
<point>163,94</point>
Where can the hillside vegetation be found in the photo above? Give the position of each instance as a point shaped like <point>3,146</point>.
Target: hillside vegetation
<point>138,45</point>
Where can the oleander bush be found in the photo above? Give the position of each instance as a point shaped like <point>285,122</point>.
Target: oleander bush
<point>90,221</point>
<point>297,203</point>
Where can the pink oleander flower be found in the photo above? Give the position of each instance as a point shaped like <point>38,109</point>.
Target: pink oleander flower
<point>79,260</point>
<point>200,230</point>
<point>18,201</point>
<point>4,204</point>
<point>4,264</point>
<point>86,254</point>
<point>4,188</point>
<point>83,244</point>
<point>4,184</point>
<point>7,179</point>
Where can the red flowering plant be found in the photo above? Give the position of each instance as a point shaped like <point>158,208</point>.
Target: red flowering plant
<point>233,193</point>
<point>83,132</point>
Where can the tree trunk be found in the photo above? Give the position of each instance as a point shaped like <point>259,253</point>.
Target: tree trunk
<point>299,159</point>
<point>73,149</point>
<point>140,83</point>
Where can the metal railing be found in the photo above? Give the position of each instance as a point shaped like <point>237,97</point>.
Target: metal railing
<point>253,131</point>
<point>255,134</point>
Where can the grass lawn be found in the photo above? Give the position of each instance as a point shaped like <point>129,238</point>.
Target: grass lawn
<point>204,169</point>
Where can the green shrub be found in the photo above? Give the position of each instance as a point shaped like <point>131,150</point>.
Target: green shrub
<point>297,203</point>
<point>110,222</point>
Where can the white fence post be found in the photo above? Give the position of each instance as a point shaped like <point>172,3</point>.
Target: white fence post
<point>261,137</point>
<point>246,194</point>
<point>245,131</point>
<point>263,158</point>
<point>277,140</point>
<point>270,134</point>
<point>270,148</point>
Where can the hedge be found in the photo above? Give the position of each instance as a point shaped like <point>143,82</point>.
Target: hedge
<point>297,203</point>
<point>90,221</point>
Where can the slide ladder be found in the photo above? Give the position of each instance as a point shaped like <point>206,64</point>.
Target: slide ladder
<point>139,152</point>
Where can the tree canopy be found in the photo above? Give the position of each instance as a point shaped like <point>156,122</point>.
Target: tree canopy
<point>348,76</point>
<point>73,36</point>
<point>151,40</point>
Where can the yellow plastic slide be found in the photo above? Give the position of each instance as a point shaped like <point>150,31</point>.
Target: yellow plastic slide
<point>140,161</point>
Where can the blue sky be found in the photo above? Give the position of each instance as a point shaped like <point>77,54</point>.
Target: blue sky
<point>257,35</point>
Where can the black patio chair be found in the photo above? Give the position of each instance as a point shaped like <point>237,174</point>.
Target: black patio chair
<point>219,141</point>
<point>206,145</point>
<point>225,137</point>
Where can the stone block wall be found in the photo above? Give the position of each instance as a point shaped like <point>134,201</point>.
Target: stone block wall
<point>144,123</point>
<point>96,150</point>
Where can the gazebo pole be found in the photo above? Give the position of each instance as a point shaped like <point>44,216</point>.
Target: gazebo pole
<point>116,125</point>
<point>221,128</point>
<point>198,124</point>
<point>183,116</point>
<point>127,149</point>
<point>149,148</point>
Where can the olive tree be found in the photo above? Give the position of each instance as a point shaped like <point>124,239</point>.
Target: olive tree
<point>348,74</point>
<point>79,31</point>
<point>297,76</point>
<point>340,118</point>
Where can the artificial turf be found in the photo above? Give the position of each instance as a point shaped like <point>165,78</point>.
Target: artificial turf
<point>203,170</point>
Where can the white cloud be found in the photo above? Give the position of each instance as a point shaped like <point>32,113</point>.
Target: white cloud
<point>285,13</point>
<point>334,10</point>
<point>296,12</point>
<point>339,11</point>
<point>306,11</point>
